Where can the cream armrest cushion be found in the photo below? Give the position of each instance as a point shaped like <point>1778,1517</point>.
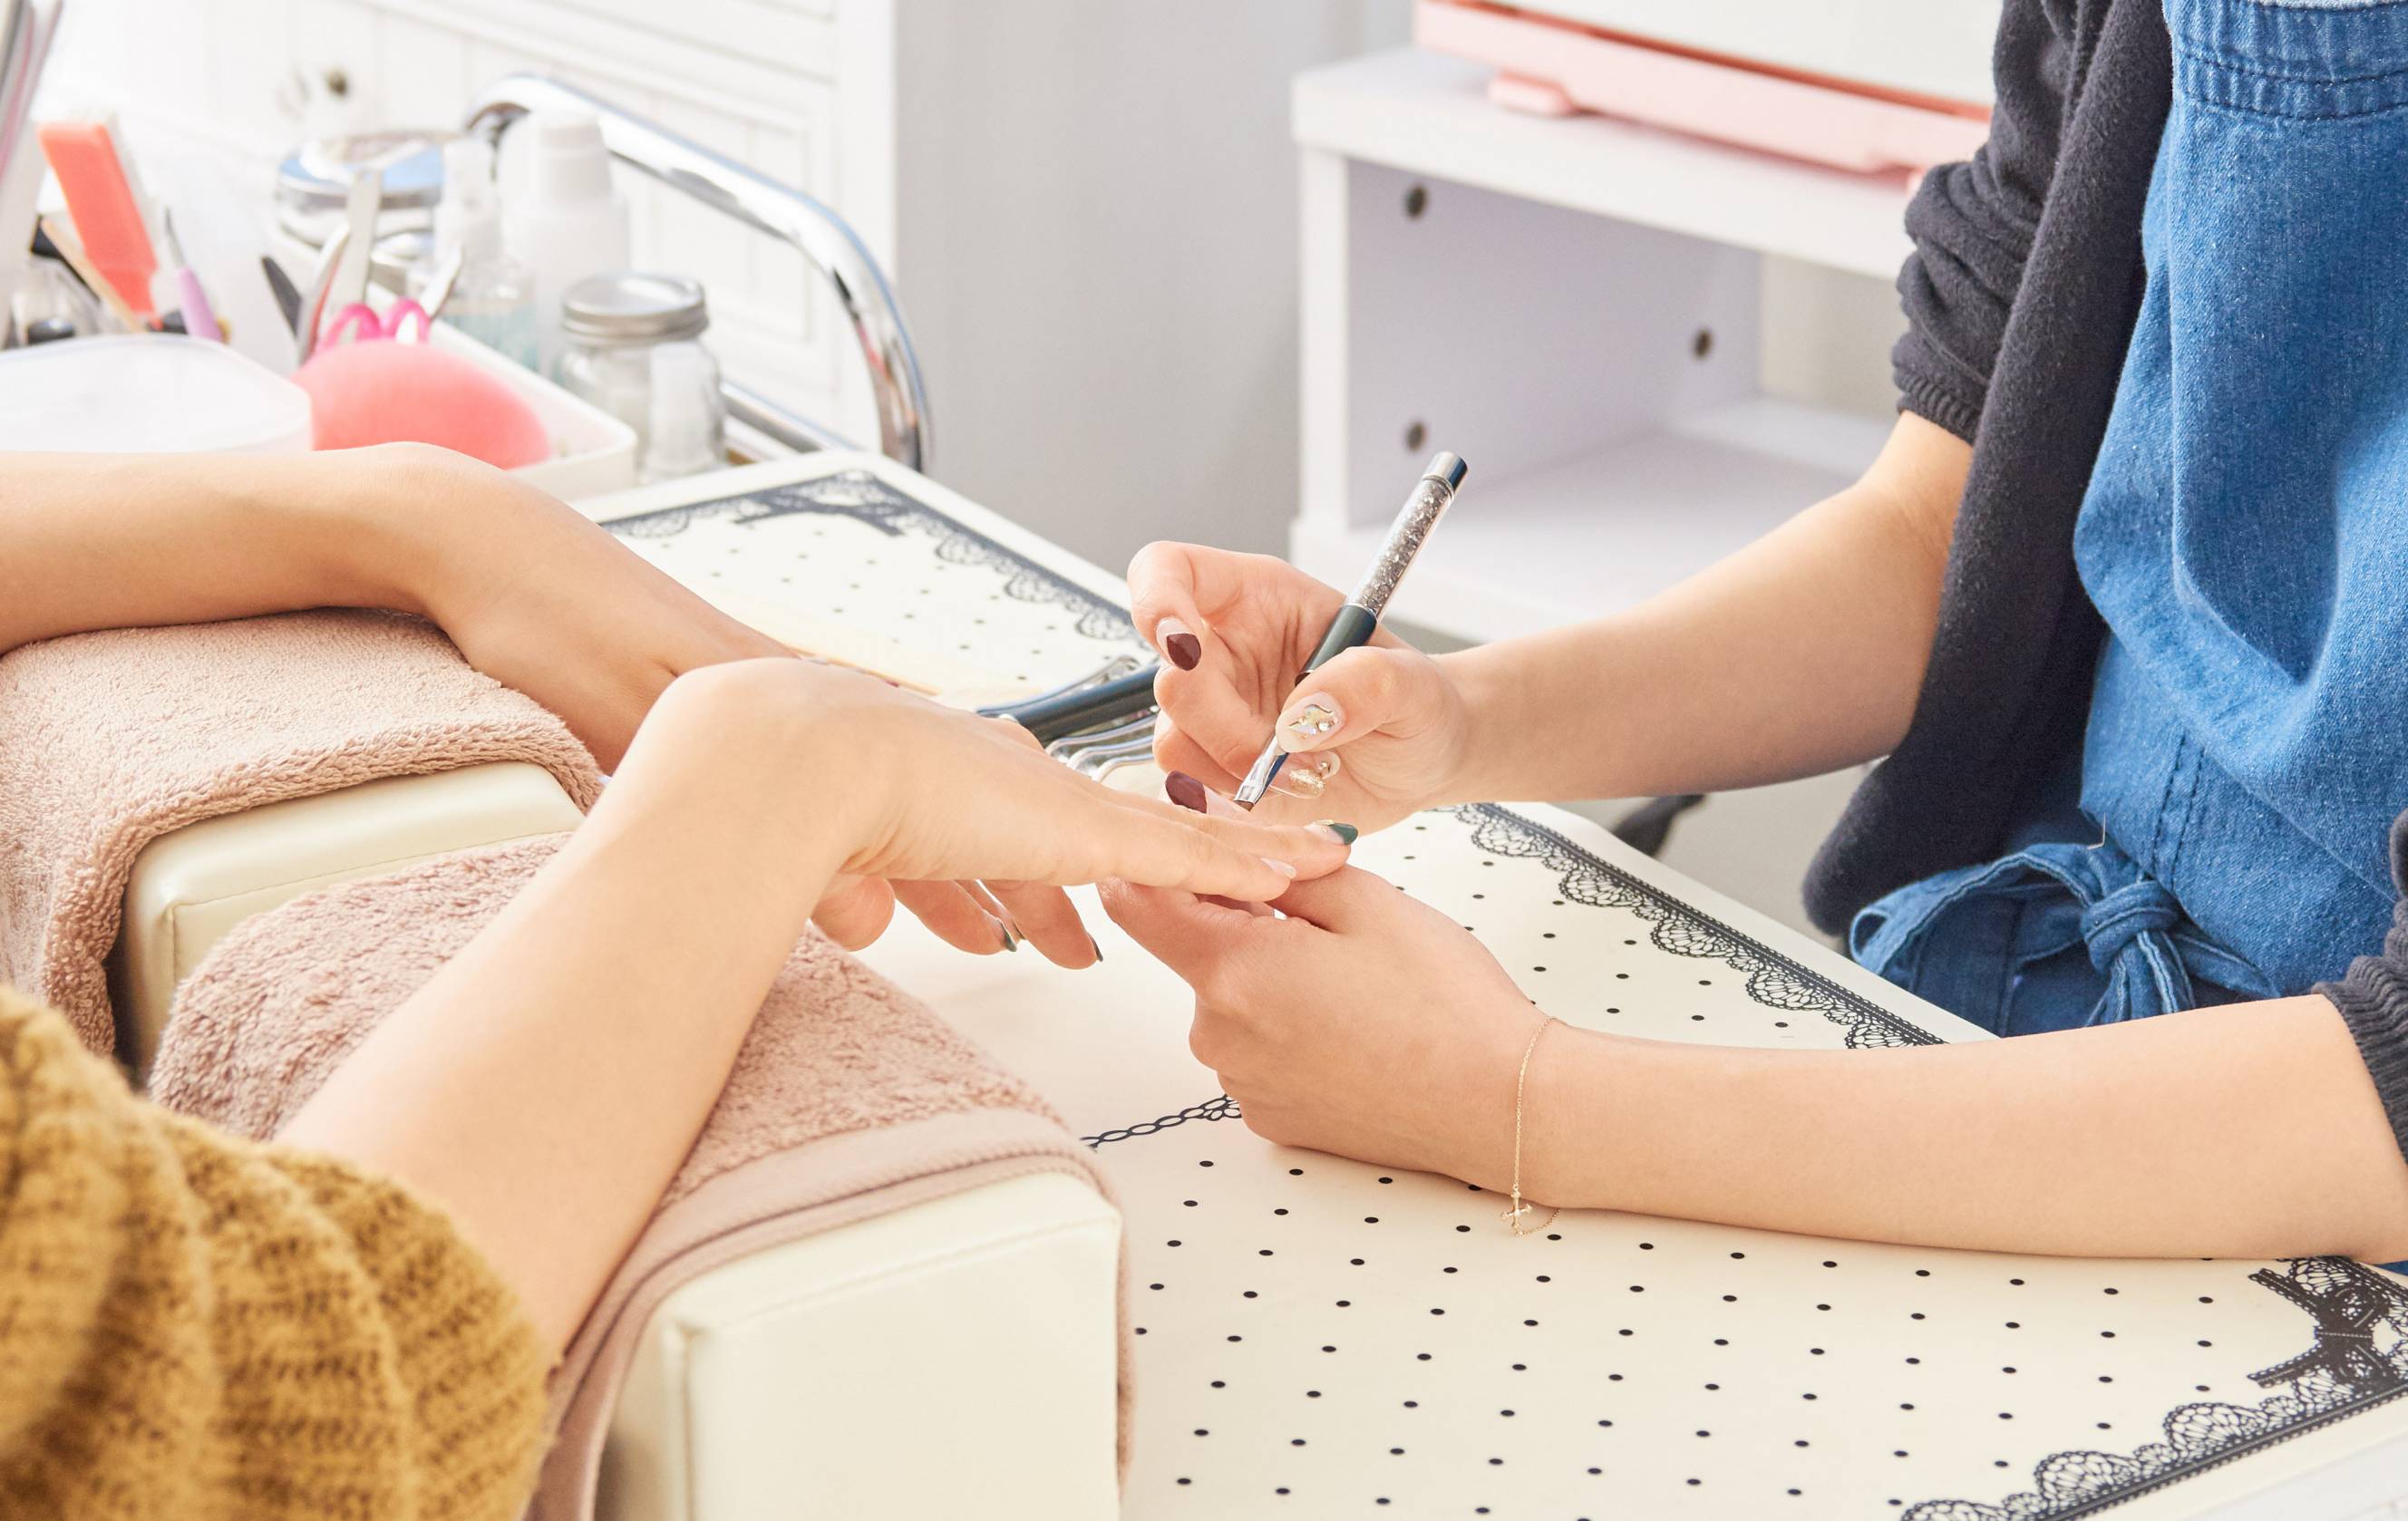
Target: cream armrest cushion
<point>804,1378</point>
<point>810,1378</point>
<point>190,887</point>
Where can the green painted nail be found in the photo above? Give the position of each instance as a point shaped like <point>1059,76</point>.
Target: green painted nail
<point>1347,833</point>
<point>1093,946</point>
<point>1009,943</point>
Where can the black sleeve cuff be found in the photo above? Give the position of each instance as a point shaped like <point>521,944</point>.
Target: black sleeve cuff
<point>1928,399</point>
<point>2373,1003</point>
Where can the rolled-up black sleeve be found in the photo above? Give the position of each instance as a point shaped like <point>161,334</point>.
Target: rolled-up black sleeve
<point>1973,223</point>
<point>2373,1000</point>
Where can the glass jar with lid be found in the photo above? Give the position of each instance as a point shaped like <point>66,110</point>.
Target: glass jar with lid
<point>630,344</point>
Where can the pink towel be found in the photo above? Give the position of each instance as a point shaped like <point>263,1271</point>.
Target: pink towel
<point>110,741</point>
<point>849,1099</point>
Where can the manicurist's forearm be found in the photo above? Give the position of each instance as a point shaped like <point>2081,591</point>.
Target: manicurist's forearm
<point>2245,1130</point>
<point>111,542</point>
<point>545,1085</point>
<point>1802,652</point>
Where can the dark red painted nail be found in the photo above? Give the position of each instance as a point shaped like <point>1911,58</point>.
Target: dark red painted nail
<point>1184,650</point>
<point>1185,790</point>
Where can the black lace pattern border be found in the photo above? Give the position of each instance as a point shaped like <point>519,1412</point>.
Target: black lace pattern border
<point>866,499</point>
<point>2359,1361</point>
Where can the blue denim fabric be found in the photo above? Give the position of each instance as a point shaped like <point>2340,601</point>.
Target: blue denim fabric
<point>2245,536</point>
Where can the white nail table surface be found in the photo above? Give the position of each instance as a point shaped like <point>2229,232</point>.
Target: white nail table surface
<point>1328,1339</point>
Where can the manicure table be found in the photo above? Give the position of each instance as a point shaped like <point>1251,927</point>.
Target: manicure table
<point>1337,1339</point>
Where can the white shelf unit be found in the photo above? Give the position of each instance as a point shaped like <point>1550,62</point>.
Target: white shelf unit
<point>1572,306</point>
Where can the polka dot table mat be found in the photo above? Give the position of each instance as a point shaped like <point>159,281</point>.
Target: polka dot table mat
<point>1321,1338</point>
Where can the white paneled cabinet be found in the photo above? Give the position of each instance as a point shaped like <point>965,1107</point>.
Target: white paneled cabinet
<point>755,79</point>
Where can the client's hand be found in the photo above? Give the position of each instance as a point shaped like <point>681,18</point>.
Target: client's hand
<point>1365,1023</point>
<point>1234,630</point>
<point>545,1082</point>
<point>542,599</point>
<point>912,792</point>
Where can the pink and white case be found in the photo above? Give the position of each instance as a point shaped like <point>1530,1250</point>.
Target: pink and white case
<point>1556,65</point>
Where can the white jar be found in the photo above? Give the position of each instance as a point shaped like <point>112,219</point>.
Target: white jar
<point>619,332</point>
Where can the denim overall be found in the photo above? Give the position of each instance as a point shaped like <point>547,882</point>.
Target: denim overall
<point>2245,538</point>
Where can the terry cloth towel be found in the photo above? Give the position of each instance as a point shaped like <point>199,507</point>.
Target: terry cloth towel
<point>849,1099</point>
<point>110,741</point>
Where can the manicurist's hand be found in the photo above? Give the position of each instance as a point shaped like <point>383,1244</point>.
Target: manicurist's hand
<point>1234,630</point>
<point>1364,1023</point>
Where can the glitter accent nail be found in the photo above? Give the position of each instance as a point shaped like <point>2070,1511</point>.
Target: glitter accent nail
<point>1306,776</point>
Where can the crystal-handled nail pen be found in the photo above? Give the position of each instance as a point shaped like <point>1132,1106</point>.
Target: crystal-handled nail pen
<point>1359,619</point>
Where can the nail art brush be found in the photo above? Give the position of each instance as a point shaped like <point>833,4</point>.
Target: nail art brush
<point>1359,619</point>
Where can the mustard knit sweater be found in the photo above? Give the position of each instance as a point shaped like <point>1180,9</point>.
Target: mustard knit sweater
<point>196,1327</point>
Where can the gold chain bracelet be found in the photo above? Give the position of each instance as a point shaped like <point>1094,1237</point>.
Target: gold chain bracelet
<point>1514,1216</point>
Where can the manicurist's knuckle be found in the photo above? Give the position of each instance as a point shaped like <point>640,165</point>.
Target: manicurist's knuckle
<point>1208,1037</point>
<point>1276,1125</point>
<point>1151,570</point>
<point>1233,984</point>
<point>1218,988</point>
<point>1118,898</point>
<point>1367,679</point>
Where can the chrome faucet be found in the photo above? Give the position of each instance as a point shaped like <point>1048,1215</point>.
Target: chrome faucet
<point>824,238</point>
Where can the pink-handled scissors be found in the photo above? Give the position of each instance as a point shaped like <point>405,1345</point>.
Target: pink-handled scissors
<point>365,323</point>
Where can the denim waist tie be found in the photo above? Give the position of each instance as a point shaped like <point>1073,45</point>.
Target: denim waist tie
<point>1995,944</point>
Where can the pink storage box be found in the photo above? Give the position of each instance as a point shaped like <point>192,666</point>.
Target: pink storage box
<point>1554,66</point>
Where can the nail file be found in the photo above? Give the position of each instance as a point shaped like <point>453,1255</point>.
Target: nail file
<point>111,218</point>
<point>1359,619</point>
<point>71,253</point>
<point>192,298</point>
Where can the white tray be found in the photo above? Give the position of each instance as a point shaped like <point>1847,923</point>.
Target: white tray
<point>593,453</point>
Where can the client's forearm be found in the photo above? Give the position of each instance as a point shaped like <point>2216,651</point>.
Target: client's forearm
<point>1802,652</point>
<point>545,1085</point>
<point>94,541</point>
<point>2245,1130</point>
